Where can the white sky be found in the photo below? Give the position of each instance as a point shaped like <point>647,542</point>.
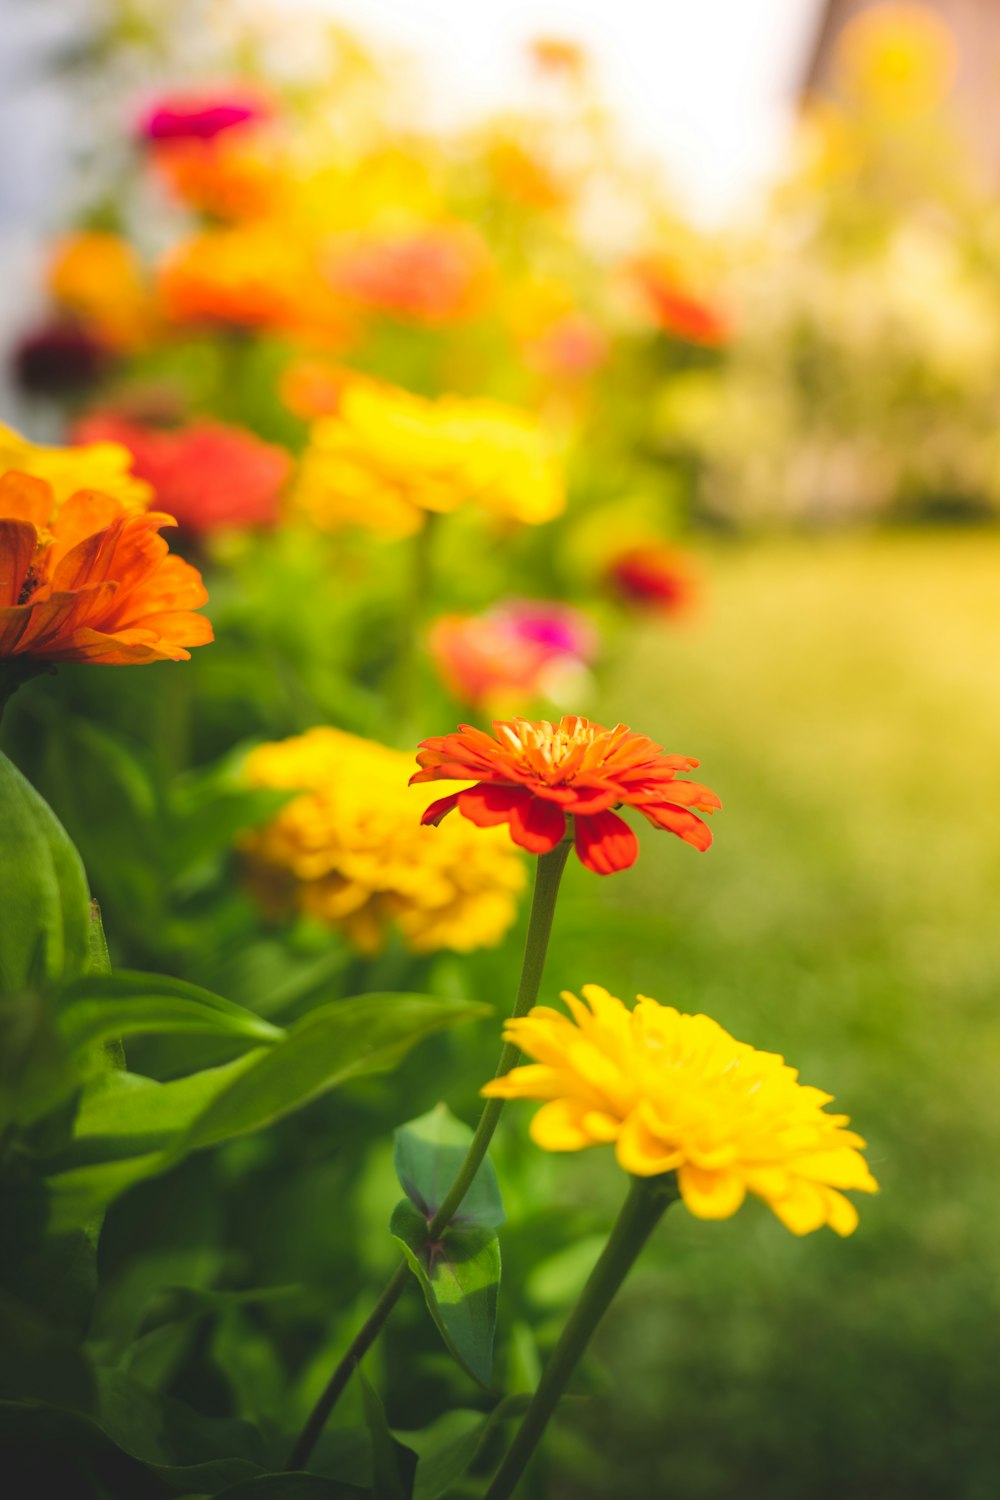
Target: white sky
<point>706,84</point>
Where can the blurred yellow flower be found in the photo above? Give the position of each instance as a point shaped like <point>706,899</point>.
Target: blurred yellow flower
<point>387,457</point>
<point>99,279</point>
<point>88,466</point>
<point>350,851</point>
<point>677,1093</point>
<point>900,57</point>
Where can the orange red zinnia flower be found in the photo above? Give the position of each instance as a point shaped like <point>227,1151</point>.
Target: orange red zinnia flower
<point>531,775</point>
<point>91,581</point>
<point>208,475</point>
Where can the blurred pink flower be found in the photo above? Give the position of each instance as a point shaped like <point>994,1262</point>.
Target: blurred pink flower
<point>201,115</point>
<point>571,345</point>
<point>208,475</point>
<point>517,652</point>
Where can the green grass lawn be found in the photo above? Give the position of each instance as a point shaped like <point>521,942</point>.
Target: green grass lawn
<point>843,699</point>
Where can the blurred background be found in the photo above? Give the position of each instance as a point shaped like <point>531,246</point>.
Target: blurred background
<point>742,262</point>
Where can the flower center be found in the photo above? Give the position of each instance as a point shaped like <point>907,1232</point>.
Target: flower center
<point>551,750</point>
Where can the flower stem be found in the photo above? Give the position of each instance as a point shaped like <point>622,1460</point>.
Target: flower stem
<point>639,1216</point>
<point>418,589</point>
<point>548,873</point>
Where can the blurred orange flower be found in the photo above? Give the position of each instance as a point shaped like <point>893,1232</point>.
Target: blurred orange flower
<point>678,311</point>
<point>99,279</point>
<point>557,54</point>
<point>253,276</point>
<point>237,175</point>
<point>531,774</point>
<point>92,581</point>
<point>656,577</point>
<point>314,387</point>
<point>208,475</point>
<point>435,275</point>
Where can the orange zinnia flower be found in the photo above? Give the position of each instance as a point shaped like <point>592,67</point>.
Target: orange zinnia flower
<point>530,774</point>
<point>92,581</point>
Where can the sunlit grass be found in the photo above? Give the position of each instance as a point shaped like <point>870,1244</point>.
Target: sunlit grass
<point>842,697</point>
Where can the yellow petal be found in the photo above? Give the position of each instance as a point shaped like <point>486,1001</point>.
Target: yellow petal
<point>711,1195</point>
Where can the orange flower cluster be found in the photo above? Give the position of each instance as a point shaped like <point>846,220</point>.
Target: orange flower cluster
<point>91,580</point>
<point>532,774</point>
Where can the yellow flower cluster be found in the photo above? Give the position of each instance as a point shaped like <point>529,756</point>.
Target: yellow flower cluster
<point>88,466</point>
<point>351,852</point>
<point>388,457</point>
<point>678,1093</point>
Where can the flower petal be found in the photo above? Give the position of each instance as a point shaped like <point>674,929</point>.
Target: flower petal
<point>711,1195</point>
<point>440,809</point>
<point>537,825</point>
<point>678,820</point>
<point>605,842</point>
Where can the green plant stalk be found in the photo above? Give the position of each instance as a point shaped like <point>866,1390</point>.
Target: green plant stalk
<point>640,1213</point>
<point>548,873</point>
<point>418,591</point>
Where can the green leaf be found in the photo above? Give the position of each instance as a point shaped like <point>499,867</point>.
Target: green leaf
<point>292,1487</point>
<point>448,1446</point>
<point>393,1464</point>
<point>460,1276</point>
<point>129,1128</point>
<point>102,1007</point>
<point>333,1045</point>
<point>429,1153</point>
<point>37,1073</point>
<point>99,959</point>
<point>44,901</point>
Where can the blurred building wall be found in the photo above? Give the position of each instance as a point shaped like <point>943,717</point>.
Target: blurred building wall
<point>975,26</point>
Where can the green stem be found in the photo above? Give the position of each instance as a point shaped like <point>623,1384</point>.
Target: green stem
<point>548,873</point>
<point>418,589</point>
<point>13,673</point>
<point>639,1216</point>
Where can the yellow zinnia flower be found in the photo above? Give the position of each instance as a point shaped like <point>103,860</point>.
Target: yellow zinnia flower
<point>86,466</point>
<point>677,1093</point>
<point>387,457</point>
<point>351,852</point>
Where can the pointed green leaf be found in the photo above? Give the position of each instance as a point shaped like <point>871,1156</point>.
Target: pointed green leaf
<point>460,1276</point>
<point>129,1128</point>
<point>393,1465</point>
<point>348,1039</point>
<point>44,901</point>
<point>101,1007</point>
<point>428,1154</point>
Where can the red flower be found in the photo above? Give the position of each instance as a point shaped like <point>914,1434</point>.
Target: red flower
<point>531,774</point>
<point>208,475</point>
<point>655,577</point>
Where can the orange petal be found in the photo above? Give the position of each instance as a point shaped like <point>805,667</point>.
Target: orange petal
<point>18,543</point>
<point>605,843</point>
<point>25,498</point>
